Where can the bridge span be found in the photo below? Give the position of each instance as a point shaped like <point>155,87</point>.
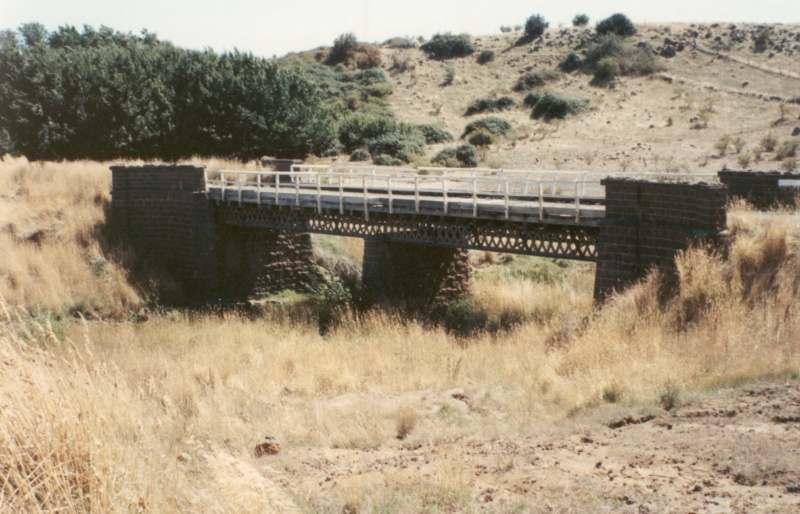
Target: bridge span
<point>234,233</point>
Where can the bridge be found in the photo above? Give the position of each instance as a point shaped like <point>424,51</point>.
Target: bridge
<point>227,234</point>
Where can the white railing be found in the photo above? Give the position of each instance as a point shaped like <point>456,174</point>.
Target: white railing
<point>481,194</point>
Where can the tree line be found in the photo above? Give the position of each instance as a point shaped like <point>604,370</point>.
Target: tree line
<point>102,94</point>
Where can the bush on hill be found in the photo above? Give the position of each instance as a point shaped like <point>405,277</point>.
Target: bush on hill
<point>448,46</point>
<point>535,26</point>
<point>464,156</point>
<point>580,20</point>
<point>618,24</point>
<point>551,105</point>
<point>632,60</point>
<point>534,79</point>
<point>497,126</point>
<point>434,134</point>
<point>491,105</point>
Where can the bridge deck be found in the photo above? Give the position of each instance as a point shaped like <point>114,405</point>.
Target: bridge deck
<point>495,198</point>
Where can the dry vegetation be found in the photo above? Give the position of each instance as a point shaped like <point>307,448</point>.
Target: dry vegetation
<point>162,414</point>
<point>701,95</point>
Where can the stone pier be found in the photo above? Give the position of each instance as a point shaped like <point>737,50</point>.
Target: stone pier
<point>648,223</point>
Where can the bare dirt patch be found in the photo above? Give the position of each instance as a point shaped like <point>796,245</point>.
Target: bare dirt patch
<point>733,451</point>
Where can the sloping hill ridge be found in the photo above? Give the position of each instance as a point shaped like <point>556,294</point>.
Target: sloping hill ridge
<point>640,123</point>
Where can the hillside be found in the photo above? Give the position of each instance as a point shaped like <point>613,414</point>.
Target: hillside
<point>641,123</point>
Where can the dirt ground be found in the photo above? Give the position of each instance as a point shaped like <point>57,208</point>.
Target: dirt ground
<point>737,450</point>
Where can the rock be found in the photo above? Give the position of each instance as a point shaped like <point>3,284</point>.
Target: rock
<point>668,52</point>
<point>796,131</point>
<point>270,446</point>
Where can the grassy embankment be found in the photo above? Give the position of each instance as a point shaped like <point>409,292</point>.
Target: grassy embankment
<point>162,415</point>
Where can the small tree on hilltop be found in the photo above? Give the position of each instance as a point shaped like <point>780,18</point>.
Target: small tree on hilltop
<point>344,49</point>
<point>535,26</point>
<point>618,24</point>
<point>580,20</point>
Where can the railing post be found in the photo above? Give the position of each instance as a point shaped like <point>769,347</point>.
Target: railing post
<point>541,201</point>
<point>577,203</point>
<point>444,190</point>
<point>258,188</point>
<point>296,190</point>
<point>474,198</point>
<point>205,182</point>
<point>277,189</point>
<point>222,181</point>
<point>416,193</point>
<point>239,187</point>
<point>319,193</point>
<point>506,197</point>
<point>341,196</point>
<point>555,181</point>
<point>366,202</point>
<point>389,187</point>
<point>527,176</point>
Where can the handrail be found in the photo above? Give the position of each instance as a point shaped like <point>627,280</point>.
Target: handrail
<point>506,195</point>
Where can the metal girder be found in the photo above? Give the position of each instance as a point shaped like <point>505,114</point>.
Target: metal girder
<point>539,239</point>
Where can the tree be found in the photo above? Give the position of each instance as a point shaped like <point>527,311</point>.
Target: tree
<point>535,26</point>
<point>618,24</point>
<point>580,20</point>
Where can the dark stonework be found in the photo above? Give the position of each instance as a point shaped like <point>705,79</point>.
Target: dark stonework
<point>761,188</point>
<point>162,214</point>
<point>416,275</point>
<point>648,223</point>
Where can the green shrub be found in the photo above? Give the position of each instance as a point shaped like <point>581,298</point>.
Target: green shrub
<point>386,160</point>
<point>497,126</point>
<point>344,49</point>
<point>551,105</point>
<point>535,26</point>
<point>532,98</point>
<point>580,20</point>
<point>505,29</point>
<point>464,156</point>
<point>482,137</point>
<point>761,40</point>
<point>631,60</point>
<point>462,318</point>
<point>605,71</point>
<point>434,134</point>
<point>359,155</point>
<point>491,105</point>
<point>369,77</point>
<point>402,145</point>
<point>534,79</point>
<point>485,56</point>
<point>571,63</point>
<point>448,46</point>
<point>618,24</point>
<point>357,129</point>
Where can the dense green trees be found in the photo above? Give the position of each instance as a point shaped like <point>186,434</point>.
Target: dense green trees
<point>101,94</point>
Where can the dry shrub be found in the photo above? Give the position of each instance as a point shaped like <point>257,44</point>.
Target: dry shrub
<point>407,420</point>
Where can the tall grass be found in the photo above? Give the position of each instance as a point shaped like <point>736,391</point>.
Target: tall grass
<point>162,415</point>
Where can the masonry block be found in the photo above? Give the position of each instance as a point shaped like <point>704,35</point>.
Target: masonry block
<point>162,214</point>
<point>417,275</point>
<point>761,189</point>
<point>648,223</point>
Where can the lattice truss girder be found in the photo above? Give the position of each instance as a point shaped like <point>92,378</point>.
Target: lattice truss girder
<point>540,239</point>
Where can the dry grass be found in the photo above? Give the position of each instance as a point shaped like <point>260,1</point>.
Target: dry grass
<point>50,232</point>
<point>163,415</point>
